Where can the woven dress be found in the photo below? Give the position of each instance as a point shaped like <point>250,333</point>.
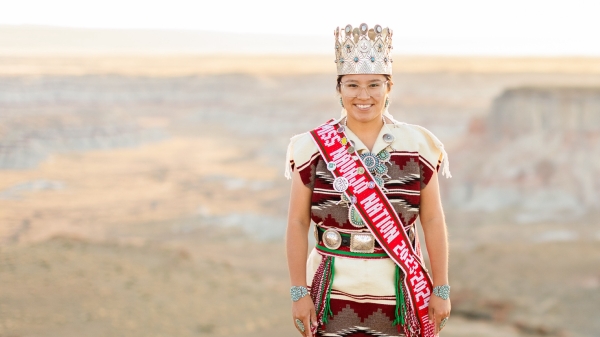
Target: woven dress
<point>361,294</point>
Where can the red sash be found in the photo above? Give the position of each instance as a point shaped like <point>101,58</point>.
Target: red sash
<point>380,217</point>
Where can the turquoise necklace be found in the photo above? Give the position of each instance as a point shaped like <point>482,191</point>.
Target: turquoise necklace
<point>376,164</point>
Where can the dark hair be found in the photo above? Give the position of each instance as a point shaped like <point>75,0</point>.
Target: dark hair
<point>338,86</point>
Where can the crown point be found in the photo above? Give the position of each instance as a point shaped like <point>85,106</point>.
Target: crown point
<point>372,34</point>
<point>378,29</point>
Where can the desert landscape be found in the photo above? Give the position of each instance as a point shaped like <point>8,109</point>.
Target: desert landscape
<point>143,195</point>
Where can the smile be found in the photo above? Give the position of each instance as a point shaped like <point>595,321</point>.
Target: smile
<point>363,106</point>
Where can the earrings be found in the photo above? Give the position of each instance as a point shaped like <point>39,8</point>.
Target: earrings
<point>341,103</point>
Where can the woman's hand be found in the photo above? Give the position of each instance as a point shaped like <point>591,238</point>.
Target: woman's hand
<point>438,310</point>
<point>304,310</point>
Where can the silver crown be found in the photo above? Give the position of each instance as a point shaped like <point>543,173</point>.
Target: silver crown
<point>362,50</point>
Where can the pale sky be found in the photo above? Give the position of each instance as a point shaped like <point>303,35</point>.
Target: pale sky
<point>509,27</point>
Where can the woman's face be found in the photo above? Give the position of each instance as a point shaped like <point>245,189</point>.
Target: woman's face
<point>364,107</point>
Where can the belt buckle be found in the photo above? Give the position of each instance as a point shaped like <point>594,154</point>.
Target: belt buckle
<point>362,243</point>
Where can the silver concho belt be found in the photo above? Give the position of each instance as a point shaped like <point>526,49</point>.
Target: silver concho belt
<point>358,242</point>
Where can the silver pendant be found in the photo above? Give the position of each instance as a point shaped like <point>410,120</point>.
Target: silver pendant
<point>388,138</point>
<point>354,217</point>
<point>381,169</point>
<point>370,160</point>
<point>383,155</point>
<point>351,150</point>
<point>331,166</point>
<point>340,184</point>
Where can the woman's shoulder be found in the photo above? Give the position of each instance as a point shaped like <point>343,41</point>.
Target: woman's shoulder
<point>301,150</point>
<point>302,146</point>
<point>430,148</point>
<point>416,132</point>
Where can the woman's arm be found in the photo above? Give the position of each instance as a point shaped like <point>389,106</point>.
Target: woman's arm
<point>297,247</point>
<point>436,239</point>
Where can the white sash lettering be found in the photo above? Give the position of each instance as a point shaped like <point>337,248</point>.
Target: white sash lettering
<point>378,214</point>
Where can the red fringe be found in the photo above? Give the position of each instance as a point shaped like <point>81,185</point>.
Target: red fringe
<point>320,287</point>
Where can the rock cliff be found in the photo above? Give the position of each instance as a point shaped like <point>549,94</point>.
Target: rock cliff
<point>534,157</point>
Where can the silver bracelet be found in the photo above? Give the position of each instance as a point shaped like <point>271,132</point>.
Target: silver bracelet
<point>442,291</point>
<point>298,292</point>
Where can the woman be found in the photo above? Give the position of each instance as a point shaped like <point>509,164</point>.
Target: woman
<point>357,276</point>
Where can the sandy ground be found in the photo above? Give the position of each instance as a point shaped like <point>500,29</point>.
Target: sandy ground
<point>181,235</point>
<point>124,256</point>
<point>222,284</point>
<point>106,189</point>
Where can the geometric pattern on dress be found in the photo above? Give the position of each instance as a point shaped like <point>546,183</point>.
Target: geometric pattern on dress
<point>331,214</point>
<point>408,175</point>
<point>426,172</point>
<point>347,323</point>
<point>326,201</point>
<point>407,212</point>
<point>404,190</point>
<point>409,172</point>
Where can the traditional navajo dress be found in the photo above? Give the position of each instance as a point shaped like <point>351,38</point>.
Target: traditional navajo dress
<point>360,294</point>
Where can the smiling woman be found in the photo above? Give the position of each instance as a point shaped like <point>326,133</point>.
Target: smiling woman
<point>364,179</point>
<point>364,96</point>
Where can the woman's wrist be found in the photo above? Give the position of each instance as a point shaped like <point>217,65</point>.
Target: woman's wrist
<point>442,291</point>
<point>297,292</point>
